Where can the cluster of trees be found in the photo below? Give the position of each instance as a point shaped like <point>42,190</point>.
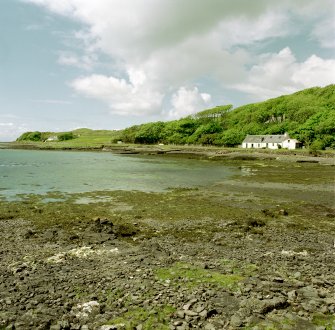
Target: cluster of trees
<point>43,136</point>
<point>308,116</point>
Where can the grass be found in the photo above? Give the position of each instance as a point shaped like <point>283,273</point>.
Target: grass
<point>242,270</point>
<point>156,318</point>
<point>191,276</point>
<point>327,321</point>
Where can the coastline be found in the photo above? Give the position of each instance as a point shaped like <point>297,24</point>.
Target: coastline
<point>201,152</point>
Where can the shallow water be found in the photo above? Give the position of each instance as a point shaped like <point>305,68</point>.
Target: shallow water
<point>40,172</point>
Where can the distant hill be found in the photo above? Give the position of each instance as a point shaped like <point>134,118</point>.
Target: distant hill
<point>307,115</point>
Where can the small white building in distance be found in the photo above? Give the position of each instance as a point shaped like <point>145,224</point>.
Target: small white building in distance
<point>52,138</point>
<point>270,142</point>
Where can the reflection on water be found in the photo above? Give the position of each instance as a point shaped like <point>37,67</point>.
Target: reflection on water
<point>39,172</point>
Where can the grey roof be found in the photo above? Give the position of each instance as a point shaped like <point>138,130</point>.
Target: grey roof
<point>266,138</point>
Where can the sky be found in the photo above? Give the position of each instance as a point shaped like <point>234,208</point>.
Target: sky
<point>110,64</point>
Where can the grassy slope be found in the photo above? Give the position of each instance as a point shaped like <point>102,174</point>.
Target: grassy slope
<point>308,115</point>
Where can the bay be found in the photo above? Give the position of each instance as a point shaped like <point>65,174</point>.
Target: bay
<point>40,172</point>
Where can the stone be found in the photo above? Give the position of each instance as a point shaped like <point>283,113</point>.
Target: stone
<point>269,305</point>
<point>209,326</point>
<point>177,323</point>
<point>283,212</point>
<point>291,295</point>
<point>308,292</point>
<point>236,320</point>
<point>199,309</point>
<point>191,313</point>
<point>190,304</point>
<point>278,280</point>
<point>329,301</point>
<point>180,314</point>
<point>203,314</point>
<point>296,274</point>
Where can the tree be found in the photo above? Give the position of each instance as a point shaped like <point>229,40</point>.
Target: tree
<point>66,136</point>
<point>232,137</point>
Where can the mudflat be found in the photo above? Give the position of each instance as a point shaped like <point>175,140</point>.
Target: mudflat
<point>255,252</point>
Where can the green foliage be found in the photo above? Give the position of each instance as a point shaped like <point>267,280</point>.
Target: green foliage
<point>232,137</point>
<point>149,133</point>
<point>31,136</point>
<point>308,116</point>
<point>66,136</point>
<point>216,112</point>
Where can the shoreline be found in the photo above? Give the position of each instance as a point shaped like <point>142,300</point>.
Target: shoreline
<point>201,152</point>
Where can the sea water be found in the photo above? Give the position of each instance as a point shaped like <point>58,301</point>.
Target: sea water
<point>40,172</point>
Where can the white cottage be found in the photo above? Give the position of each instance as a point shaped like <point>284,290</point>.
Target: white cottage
<point>52,138</point>
<point>270,142</point>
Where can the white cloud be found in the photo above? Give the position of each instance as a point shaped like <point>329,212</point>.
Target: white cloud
<point>315,71</point>
<point>158,46</point>
<point>324,32</point>
<point>123,98</point>
<point>188,101</point>
<point>281,73</point>
<point>84,62</point>
<point>10,131</point>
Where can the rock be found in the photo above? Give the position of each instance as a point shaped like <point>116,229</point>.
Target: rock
<point>199,309</point>
<point>209,326</point>
<point>203,314</point>
<point>10,327</point>
<point>278,280</point>
<point>283,212</point>
<point>184,326</point>
<point>291,295</point>
<point>189,304</point>
<point>190,313</point>
<point>296,274</point>
<point>330,301</point>
<point>308,292</point>
<point>274,303</point>
<point>180,314</point>
<point>236,320</point>
<point>29,233</point>
<point>85,310</point>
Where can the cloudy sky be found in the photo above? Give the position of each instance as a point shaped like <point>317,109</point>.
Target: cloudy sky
<point>109,64</point>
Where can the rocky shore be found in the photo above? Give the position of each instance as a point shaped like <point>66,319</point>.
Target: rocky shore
<point>250,253</point>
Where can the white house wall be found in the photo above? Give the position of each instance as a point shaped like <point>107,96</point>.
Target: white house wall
<point>290,144</point>
<point>260,145</point>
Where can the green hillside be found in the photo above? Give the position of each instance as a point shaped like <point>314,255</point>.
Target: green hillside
<point>308,115</point>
